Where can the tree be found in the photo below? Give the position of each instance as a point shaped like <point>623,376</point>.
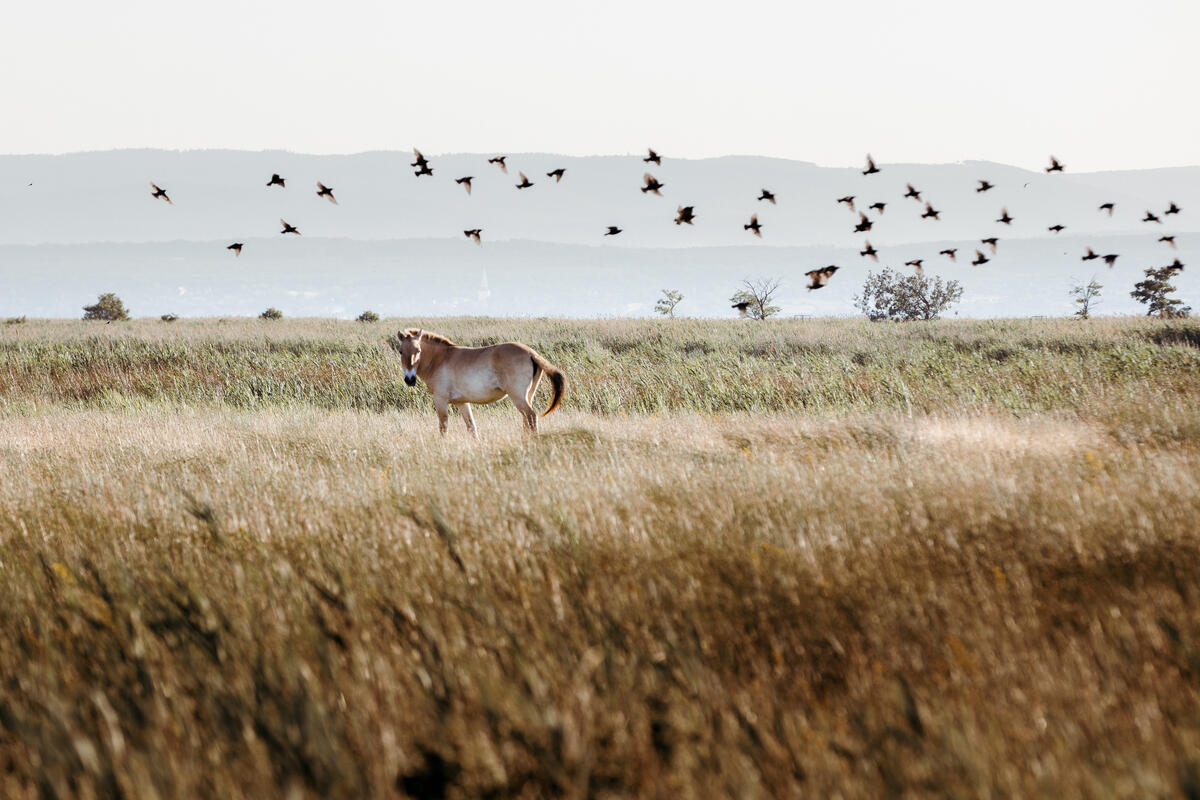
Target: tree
<point>1153,292</point>
<point>1086,297</point>
<point>271,313</point>
<point>666,304</point>
<point>367,316</point>
<point>889,295</point>
<point>108,307</point>
<point>758,295</point>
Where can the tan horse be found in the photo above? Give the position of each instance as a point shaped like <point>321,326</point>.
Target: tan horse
<point>459,376</point>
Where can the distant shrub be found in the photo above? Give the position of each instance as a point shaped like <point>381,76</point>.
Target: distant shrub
<point>889,295</point>
<point>169,317</point>
<point>368,316</point>
<point>271,313</point>
<point>15,321</point>
<point>107,307</point>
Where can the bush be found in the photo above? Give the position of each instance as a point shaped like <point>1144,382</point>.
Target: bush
<point>892,296</point>
<point>108,307</point>
<point>169,317</point>
<point>15,321</point>
<point>368,316</point>
<point>271,313</point>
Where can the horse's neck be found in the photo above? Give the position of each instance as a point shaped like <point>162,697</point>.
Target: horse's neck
<point>433,353</point>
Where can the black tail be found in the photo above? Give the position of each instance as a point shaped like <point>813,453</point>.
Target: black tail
<point>558,381</point>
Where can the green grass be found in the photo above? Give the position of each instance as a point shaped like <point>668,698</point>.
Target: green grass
<point>618,366</point>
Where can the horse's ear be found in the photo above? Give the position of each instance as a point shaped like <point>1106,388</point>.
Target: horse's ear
<point>420,333</point>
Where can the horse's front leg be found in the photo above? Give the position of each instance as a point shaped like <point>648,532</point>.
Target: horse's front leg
<point>443,412</point>
<point>469,418</point>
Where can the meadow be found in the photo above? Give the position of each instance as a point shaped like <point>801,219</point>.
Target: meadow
<point>783,559</point>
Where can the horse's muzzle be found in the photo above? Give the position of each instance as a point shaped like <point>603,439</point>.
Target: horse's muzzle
<point>410,380</point>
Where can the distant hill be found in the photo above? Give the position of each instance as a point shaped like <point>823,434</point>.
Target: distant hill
<point>395,243</point>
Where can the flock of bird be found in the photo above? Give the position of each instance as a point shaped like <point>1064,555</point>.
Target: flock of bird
<point>686,215</point>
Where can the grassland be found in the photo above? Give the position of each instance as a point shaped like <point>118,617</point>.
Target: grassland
<point>760,560</point>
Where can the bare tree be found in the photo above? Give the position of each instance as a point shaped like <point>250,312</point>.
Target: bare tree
<point>666,304</point>
<point>1086,297</point>
<point>758,297</point>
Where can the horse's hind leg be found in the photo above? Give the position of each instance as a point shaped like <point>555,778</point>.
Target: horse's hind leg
<point>531,392</point>
<point>526,411</point>
<point>469,418</point>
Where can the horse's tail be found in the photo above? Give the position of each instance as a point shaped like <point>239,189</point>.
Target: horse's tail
<point>558,381</point>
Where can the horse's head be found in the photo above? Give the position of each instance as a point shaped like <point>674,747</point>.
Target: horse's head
<point>410,354</point>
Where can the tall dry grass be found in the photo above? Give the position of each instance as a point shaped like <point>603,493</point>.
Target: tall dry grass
<point>320,599</point>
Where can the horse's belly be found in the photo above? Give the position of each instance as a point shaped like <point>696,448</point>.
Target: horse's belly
<point>477,390</point>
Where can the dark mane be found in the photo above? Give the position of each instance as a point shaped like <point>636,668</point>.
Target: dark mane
<point>433,337</point>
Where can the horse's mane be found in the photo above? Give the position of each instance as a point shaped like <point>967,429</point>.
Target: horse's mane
<point>433,337</point>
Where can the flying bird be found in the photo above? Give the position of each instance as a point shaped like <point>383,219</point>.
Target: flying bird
<point>557,174</point>
<point>1110,259</point>
<point>465,182</point>
<point>325,191</point>
<point>1174,209</point>
<point>915,264</point>
<point>1057,228</point>
<point>871,168</point>
<point>984,186</point>
<point>653,158</point>
<point>877,207</point>
<point>870,252</point>
<point>848,200</point>
<point>1150,217</point>
<point>766,195</point>
<point>236,247</point>
<point>990,242</point>
<point>422,164</point>
<point>1089,256</point>
<point>1055,165</point>
<point>525,182</point>
<point>980,259</point>
<point>500,160</point>
<point>288,228</point>
<point>276,180</point>
<point>819,277</point>
<point>864,224</point>
<point>686,214</point>
<point>158,192</point>
<point>754,227</point>
<point>950,251</point>
<point>743,307</point>
<point>1176,264</point>
<point>474,234</point>
<point>613,230</point>
<point>1168,239</point>
<point>652,184</point>
<point>913,193</point>
<point>1107,207</point>
<point>1004,217</point>
<point>930,211</point>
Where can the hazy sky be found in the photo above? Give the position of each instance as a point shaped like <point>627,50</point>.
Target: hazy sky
<point>1102,84</point>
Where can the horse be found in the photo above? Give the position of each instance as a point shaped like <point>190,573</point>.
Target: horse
<point>459,376</point>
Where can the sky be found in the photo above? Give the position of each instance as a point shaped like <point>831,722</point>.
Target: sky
<point>1101,84</point>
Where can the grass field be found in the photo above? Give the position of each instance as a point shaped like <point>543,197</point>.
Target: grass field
<point>795,558</point>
